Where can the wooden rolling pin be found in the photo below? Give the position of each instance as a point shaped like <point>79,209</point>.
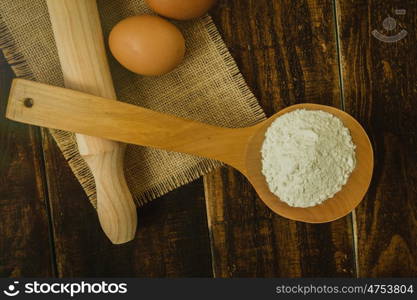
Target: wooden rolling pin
<point>79,40</point>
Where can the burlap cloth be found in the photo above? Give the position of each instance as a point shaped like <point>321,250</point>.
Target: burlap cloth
<point>206,87</point>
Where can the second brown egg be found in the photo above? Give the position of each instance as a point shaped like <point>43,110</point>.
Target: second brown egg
<point>181,9</point>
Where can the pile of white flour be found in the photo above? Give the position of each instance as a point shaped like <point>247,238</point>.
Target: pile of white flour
<point>307,156</point>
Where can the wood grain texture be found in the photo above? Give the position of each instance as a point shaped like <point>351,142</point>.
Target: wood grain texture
<point>380,90</point>
<point>287,52</point>
<point>172,240</point>
<point>24,234</point>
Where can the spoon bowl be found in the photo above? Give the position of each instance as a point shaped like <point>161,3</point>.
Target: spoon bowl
<point>333,208</point>
<point>78,112</point>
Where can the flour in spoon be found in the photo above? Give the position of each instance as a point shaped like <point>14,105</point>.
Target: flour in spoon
<point>307,156</point>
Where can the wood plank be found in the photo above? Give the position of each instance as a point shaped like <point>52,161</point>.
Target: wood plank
<point>25,248</point>
<point>287,52</point>
<point>380,91</point>
<point>172,237</point>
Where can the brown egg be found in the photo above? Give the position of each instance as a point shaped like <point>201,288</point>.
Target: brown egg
<point>180,9</point>
<point>147,45</point>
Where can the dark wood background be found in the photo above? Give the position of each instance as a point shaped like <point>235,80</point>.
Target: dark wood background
<point>319,51</point>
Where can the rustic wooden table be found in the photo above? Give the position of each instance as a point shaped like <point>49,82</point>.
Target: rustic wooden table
<point>319,51</point>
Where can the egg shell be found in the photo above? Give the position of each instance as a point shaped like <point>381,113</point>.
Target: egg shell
<point>147,45</point>
<point>181,9</point>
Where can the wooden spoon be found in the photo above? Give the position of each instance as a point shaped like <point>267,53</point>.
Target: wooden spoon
<point>75,111</point>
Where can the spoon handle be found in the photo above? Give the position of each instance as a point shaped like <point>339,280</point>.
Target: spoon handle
<point>70,110</point>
